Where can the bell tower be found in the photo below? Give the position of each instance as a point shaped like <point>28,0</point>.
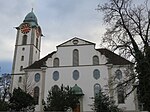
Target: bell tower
<point>27,47</point>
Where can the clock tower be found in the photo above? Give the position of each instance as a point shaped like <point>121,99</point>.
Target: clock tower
<point>27,48</point>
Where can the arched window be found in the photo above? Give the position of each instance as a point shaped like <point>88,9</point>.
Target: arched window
<point>36,95</point>
<point>97,89</point>
<point>22,58</point>
<point>118,74</point>
<point>95,60</point>
<point>120,94</point>
<point>20,79</point>
<point>24,40</point>
<point>96,74</point>
<point>75,75</point>
<point>75,57</point>
<point>21,68</point>
<point>56,75</point>
<point>56,62</point>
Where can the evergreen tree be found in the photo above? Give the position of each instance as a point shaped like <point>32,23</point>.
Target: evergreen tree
<point>21,101</point>
<point>4,106</point>
<point>102,103</point>
<point>61,99</point>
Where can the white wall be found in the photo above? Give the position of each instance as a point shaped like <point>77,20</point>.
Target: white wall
<point>32,83</point>
<point>86,80</point>
<point>129,101</point>
<point>26,53</point>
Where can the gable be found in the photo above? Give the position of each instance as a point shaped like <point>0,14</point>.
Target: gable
<point>75,41</point>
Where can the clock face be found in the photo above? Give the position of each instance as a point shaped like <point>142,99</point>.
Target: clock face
<point>25,28</point>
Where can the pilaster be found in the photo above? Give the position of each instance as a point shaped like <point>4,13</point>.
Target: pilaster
<point>42,86</point>
<point>110,81</point>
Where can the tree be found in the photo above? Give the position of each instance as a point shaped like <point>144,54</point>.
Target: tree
<point>102,103</point>
<point>129,31</point>
<point>61,99</point>
<point>26,83</point>
<point>5,81</point>
<point>4,106</point>
<point>21,101</point>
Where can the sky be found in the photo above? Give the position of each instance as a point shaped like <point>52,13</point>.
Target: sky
<point>60,21</point>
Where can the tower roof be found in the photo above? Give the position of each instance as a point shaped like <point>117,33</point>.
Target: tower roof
<point>30,17</point>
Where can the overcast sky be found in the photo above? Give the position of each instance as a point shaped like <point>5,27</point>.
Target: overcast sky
<point>60,21</point>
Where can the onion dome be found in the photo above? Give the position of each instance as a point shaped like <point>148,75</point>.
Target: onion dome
<point>77,90</point>
<point>30,17</point>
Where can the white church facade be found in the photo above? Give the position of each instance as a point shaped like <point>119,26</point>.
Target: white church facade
<point>76,63</point>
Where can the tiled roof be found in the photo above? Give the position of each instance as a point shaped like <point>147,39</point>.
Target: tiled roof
<point>114,58</point>
<point>41,62</point>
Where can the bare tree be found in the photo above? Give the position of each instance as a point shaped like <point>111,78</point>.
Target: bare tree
<point>129,31</point>
<point>27,84</point>
<point>5,81</point>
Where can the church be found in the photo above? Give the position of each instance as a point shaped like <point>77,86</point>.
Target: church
<point>76,63</point>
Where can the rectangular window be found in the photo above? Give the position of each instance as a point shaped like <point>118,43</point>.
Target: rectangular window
<point>37,42</point>
<point>20,79</point>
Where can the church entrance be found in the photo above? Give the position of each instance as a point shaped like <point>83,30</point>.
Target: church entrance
<point>77,109</point>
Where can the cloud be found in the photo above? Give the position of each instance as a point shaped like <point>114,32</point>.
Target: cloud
<point>60,20</point>
<point>5,67</point>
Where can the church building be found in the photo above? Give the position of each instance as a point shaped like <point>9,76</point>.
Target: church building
<point>76,63</point>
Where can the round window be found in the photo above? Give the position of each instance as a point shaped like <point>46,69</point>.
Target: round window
<point>75,75</point>
<point>56,75</point>
<point>37,77</point>
<point>75,42</point>
<point>96,74</point>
